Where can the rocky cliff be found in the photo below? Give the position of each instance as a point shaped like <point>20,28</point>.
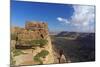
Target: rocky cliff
<point>35,35</point>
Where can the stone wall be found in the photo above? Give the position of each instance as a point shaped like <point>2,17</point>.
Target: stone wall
<point>33,30</point>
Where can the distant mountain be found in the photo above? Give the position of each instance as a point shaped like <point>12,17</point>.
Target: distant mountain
<point>67,34</point>
<point>75,34</point>
<point>86,36</point>
<point>53,33</point>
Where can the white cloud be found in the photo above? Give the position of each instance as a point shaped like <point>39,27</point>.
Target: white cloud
<point>62,20</point>
<point>83,15</point>
<point>82,18</point>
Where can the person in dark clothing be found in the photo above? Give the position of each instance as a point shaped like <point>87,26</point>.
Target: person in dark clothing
<point>61,52</point>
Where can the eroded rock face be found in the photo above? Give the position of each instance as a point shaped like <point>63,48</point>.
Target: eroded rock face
<point>33,31</point>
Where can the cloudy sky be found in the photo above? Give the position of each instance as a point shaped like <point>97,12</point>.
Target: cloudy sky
<point>60,17</point>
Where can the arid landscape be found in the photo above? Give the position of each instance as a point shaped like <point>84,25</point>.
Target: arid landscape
<point>34,45</point>
<point>51,33</point>
<point>79,48</point>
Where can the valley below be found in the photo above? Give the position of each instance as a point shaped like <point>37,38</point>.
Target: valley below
<point>80,49</point>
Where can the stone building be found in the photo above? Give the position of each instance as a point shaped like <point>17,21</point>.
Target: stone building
<point>32,31</point>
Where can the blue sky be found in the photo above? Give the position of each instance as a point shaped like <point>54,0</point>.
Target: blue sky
<point>60,17</point>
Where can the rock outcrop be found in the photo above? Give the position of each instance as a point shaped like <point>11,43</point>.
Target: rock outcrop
<point>32,31</point>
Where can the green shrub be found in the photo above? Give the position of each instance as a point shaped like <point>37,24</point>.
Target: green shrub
<point>40,55</point>
<point>43,42</point>
<point>37,59</point>
<point>17,52</point>
<point>40,42</point>
<point>43,53</point>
